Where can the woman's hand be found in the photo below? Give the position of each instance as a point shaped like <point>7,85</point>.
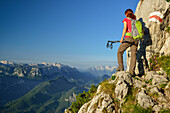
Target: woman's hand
<point>121,40</point>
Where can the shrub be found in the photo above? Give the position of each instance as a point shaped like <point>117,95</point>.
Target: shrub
<point>168,29</point>
<point>153,62</point>
<point>83,98</point>
<point>160,62</point>
<point>165,64</point>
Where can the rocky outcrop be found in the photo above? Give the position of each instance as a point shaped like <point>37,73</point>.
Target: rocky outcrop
<point>125,91</point>
<point>98,104</point>
<point>123,81</point>
<point>154,15</point>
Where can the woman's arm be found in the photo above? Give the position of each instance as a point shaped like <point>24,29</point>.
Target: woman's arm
<point>124,31</point>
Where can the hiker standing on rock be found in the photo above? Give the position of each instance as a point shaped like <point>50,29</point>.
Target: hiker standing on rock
<point>128,41</point>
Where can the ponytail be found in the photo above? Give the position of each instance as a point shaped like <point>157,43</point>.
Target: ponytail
<point>129,13</point>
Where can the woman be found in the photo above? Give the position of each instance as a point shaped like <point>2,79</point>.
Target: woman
<point>127,42</point>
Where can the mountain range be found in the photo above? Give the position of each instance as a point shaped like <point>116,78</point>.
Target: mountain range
<point>23,86</point>
<point>102,70</point>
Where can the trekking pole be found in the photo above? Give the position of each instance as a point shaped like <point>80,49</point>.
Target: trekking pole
<point>110,43</point>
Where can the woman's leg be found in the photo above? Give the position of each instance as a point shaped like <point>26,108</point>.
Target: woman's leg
<point>120,52</point>
<point>133,50</point>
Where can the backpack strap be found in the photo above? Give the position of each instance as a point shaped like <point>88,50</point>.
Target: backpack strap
<point>133,22</point>
<point>127,33</point>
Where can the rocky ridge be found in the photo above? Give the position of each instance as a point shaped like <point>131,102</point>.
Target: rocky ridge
<point>126,93</point>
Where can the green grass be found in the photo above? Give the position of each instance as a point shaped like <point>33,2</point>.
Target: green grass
<point>164,62</point>
<point>162,86</point>
<point>130,100</point>
<point>83,98</point>
<point>108,88</point>
<point>149,81</point>
<point>154,95</point>
<point>113,77</point>
<point>137,78</point>
<point>165,111</point>
<point>144,86</point>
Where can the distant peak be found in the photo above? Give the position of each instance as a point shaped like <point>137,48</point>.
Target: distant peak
<point>7,62</point>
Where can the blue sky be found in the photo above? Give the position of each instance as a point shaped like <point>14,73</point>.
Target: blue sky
<point>72,32</point>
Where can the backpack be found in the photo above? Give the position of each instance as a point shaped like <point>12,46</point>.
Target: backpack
<point>136,31</point>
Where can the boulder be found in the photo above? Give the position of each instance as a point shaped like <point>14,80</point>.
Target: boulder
<point>159,79</point>
<point>155,78</point>
<point>125,76</point>
<point>99,103</point>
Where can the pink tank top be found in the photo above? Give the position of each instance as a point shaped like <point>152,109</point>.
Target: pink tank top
<point>128,26</point>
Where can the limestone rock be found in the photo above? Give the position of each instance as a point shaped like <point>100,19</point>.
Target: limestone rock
<point>158,79</point>
<point>67,111</point>
<point>98,104</point>
<point>149,75</point>
<point>156,38</point>
<point>144,100</point>
<point>125,76</point>
<point>124,80</point>
<point>154,90</point>
<point>138,83</point>
<point>99,89</point>
<point>155,78</point>
<point>157,108</point>
<point>121,89</point>
<point>167,90</point>
<point>84,108</point>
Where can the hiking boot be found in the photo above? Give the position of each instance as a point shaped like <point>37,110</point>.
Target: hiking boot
<point>140,75</point>
<point>133,75</point>
<point>119,69</point>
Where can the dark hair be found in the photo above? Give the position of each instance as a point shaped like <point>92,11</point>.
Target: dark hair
<point>130,14</point>
<point>128,10</point>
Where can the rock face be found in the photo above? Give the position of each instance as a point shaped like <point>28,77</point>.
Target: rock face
<point>154,15</point>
